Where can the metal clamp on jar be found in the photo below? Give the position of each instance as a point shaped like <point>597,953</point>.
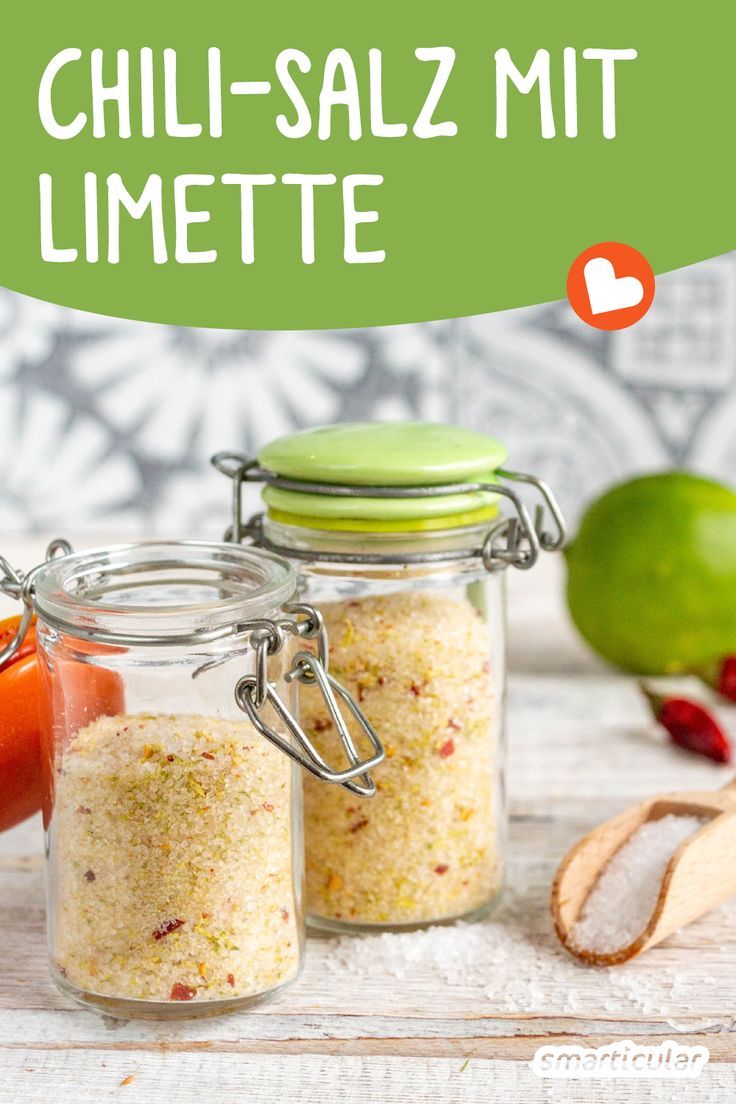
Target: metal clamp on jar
<point>397,532</point>
<point>174,824</point>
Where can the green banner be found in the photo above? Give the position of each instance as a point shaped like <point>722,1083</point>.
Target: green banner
<point>301,166</point>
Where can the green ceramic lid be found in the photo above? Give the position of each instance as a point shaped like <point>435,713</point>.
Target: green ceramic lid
<point>386,454</point>
<point>393,454</point>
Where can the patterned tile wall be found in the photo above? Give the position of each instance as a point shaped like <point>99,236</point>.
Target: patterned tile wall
<point>109,424</point>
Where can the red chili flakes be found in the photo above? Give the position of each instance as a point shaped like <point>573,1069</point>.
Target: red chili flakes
<point>231,980</point>
<point>361,694</point>
<point>416,689</point>
<point>207,755</point>
<point>181,992</point>
<point>83,809</point>
<point>285,915</point>
<point>453,724</point>
<point>170,758</point>
<point>441,868</point>
<point>167,928</point>
<point>447,749</point>
<point>322,724</point>
<point>268,806</point>
<point>381,680</point>
<point>89,875</point>
<point>358,824</point>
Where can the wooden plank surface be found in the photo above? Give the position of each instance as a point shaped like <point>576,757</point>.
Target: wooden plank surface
<point>37,1077</point>
<point>449,1014</point>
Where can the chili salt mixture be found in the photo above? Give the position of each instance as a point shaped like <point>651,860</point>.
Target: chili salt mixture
<point>173,849</point>
<point>426,847</point>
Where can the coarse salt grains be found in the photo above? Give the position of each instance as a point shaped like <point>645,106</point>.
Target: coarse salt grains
<point>623,898</point>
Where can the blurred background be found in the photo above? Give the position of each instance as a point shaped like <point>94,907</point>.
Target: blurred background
<point>109,425</point>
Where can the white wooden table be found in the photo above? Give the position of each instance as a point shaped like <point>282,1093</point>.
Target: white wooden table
<point>450,1015</point>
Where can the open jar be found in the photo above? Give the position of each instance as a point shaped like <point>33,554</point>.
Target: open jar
<point>171,747</point>
<point>397,532</point>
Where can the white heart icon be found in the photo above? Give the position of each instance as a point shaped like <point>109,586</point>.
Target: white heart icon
<point>606,291</point>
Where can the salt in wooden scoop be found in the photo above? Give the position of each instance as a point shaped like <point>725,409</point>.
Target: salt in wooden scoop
<point>700,874</point>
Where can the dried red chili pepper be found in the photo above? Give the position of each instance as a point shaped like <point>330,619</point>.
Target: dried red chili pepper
<point>690,726</point>
<point>447,749</point>
<point>167,928</point>
<point>441,868</point>
<point>721,676</point>
<point>181,992</point>
<point>727,678</point>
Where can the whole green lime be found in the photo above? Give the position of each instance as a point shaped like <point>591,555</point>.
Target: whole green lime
<point>652,574</point>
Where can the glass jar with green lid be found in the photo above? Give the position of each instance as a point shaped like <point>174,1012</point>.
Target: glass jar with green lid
<point>401,534</point>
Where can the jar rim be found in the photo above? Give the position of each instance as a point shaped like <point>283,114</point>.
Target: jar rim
<point>100,592</point>
<point>431,548</point>
<point>285,533</point>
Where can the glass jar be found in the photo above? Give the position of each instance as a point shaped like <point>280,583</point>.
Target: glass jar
<point>174,822</point>
<point>396,532</point>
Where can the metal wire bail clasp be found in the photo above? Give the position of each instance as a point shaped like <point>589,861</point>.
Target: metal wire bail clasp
<point>549,541</point>
<point>254,692</point>
<point>19,585</point>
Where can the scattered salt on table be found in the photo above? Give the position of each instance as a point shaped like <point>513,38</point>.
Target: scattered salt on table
<point>623,898</point>
<point>510,963</point>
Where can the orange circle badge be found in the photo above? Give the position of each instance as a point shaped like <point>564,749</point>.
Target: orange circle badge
<point>611,286</point>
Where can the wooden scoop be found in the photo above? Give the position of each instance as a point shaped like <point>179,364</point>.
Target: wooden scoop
<point>700,875</point>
